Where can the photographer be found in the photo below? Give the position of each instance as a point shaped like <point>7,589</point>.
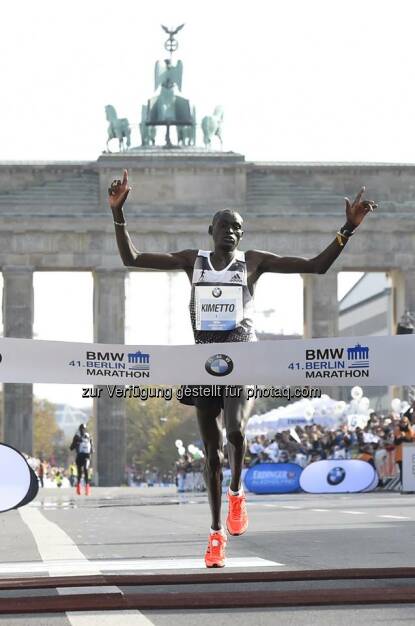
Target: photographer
<point>404,433</point>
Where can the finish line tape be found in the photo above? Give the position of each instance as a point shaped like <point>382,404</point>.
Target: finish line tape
<point>344,361</point>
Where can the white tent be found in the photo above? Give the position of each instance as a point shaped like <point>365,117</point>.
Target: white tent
<point>324,411</point>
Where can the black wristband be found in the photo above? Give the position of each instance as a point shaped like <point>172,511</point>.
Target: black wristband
<point>347,230</point>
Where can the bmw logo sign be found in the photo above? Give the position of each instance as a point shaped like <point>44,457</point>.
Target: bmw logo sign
<point>216,292</point>
<point>336,476</point>
<point>219,365</point>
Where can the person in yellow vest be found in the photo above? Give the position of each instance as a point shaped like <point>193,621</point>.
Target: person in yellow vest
<point>72,474</point>
<point>58,478</point>
<point>404,433</point>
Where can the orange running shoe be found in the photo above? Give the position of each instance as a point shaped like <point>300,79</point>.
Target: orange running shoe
<point>78,489</point>
<point>215,552</point>
<point>237,520</point>
<point>87,489</point>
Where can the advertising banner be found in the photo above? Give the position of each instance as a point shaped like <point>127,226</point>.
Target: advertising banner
<point>273,478</point>
<point>338,476</point>
<point>336,361</point>
<point>18,482</point>
<point>408,467</point>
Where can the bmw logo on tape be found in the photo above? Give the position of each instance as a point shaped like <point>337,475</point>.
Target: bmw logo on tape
<point>219,365</point>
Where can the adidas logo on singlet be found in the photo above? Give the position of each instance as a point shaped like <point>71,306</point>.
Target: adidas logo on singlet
<point>236,278</point>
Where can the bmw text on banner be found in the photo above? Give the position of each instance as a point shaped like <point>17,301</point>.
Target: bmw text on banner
<point>338,361</point>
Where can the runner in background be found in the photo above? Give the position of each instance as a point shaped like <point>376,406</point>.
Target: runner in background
<point>83,445</point>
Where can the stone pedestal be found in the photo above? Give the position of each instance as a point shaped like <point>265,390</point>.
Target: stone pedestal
<point>18,322</point>
<point>109,317</point>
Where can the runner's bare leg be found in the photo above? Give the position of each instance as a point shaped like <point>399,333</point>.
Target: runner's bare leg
<point>210,427</point>
<point>236,413</point>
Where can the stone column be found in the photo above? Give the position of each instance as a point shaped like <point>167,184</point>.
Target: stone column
<point>321,314</point>
<point>403,289</point>
<point>320,305</point>
<point>109,317</point>
<point>18,322</point>
<point>403,284</point>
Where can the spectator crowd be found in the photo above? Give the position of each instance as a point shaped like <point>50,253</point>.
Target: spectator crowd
<point>378,443</point>
<point>382,435</point>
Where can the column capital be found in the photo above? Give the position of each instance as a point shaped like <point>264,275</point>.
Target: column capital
<point>110,270</point>
<point>18,269</point>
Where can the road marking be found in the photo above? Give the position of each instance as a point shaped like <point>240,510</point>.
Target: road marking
<point>320,510</point>
<point>394,516</point>
<point>51,540</point>
<point>288,506</point>
<point>76,566</point>
<point>108,618</point>
<point>354,512</point>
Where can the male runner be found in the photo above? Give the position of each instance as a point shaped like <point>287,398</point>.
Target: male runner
<point>226,273</point>
<point>83,445</point>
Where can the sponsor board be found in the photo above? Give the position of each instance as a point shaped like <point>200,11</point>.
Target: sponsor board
<point>408,467</point>
<point>338,476</point>
<point>18,482</point>
<point>273,478</point>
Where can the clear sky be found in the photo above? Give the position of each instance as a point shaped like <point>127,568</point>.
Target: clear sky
<point>299,81</point>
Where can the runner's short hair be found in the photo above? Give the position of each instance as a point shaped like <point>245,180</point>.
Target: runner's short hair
<point>219,214</point>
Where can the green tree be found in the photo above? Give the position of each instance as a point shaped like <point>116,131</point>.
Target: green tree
<point>46,434</point>
<point>151,428</point>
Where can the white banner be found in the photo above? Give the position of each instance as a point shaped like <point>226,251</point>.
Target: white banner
<point>341,361</point>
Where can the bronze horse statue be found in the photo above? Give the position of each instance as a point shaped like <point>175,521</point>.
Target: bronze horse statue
<point>118,128</point>
<point>212,126</point>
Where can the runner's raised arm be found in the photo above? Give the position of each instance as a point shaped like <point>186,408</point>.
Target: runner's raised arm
<point>268,262</point>
<point>131,257</point>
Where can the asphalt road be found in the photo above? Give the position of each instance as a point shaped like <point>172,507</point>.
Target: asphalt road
<point>140,530</point>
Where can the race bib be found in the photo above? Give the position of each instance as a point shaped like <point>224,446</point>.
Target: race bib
<point>218,307</point>
<point>85,446</point>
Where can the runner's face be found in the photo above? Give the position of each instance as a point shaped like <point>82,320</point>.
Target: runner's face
<point>227,231</point>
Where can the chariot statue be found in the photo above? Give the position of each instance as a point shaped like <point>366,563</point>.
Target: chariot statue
<point>167,108</point>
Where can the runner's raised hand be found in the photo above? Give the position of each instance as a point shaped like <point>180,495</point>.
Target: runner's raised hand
<point>118,192</point>
<point>358,209</point>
